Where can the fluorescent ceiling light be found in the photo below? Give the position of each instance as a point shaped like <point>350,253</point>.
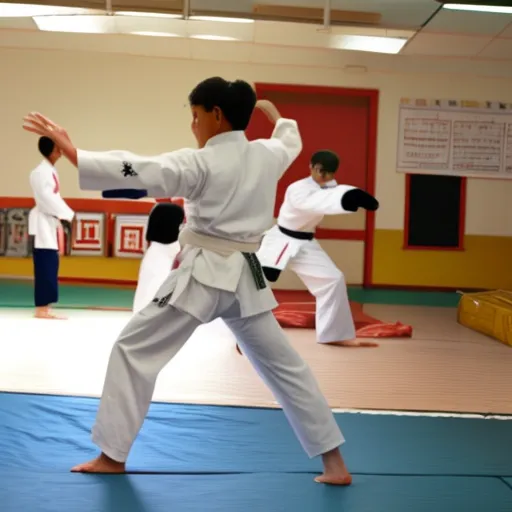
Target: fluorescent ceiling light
<point>213,38</point>
<point>148,14</point>
<point>29,10</point>
<point>154,34</point>
<point>77,24</point>
<point>479,8</point>
<point>372,44</point>
<point>222,19</point>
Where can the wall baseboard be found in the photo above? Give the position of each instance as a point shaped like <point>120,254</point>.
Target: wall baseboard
<point>100,282</point>
<point>412,288</point>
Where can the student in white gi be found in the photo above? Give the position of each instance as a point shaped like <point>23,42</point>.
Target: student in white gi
<point>162,233</point>
<point>229,185</point>
<point>291,243</point>
<point>162,230</point>
<point>45,228</point>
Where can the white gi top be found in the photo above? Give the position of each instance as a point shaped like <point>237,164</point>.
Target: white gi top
<point>43,220</point>
<point>306,202</point>
<point>229,188</point>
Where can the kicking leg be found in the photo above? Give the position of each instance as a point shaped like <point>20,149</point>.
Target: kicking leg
<point>149,341</point>
<point>294,386</point>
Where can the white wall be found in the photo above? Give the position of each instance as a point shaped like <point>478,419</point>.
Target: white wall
<point>111,100</point>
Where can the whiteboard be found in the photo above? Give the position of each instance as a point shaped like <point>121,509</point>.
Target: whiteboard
<point>448,138</point>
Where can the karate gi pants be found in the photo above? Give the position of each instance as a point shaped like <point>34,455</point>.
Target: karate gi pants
<point>157,333</point>
<point>46,277</point>
<point>327,284</point>
<point>321,277</point>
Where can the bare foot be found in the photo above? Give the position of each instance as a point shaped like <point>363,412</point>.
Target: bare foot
<point>335,471</point>
<point>101,464</point>
<point>332,479</point>
<point>47,314</point>
<point>354,343</point>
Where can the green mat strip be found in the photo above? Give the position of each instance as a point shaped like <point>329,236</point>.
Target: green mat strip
<point>16,294</point>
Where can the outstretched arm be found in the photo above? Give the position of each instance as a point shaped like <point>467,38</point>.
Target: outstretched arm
<point>178,173</point>
<point>169,175</point>
<point>332,201</point>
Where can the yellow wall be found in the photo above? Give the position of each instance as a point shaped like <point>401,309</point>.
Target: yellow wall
<point>78,267</point>
<point>109,99</point>
<point>484,263</point>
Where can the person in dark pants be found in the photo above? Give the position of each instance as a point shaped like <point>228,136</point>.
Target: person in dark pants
<point>45,228</point>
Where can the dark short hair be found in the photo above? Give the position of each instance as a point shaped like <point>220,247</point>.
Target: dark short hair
<point>46,146</point>
<point>235,99</point>
<point>328,160</point>
<point>164,223</point>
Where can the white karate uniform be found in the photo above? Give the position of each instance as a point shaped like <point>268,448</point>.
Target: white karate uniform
<point>155,268</point>
<point>43,220</point>
<point>230,188</point>
<point>304,206</point>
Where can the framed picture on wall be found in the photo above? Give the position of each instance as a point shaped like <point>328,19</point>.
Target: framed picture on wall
<point>89,234</point>
<point>3,232</point>
<point>17,244</point>
<point>130,236</point>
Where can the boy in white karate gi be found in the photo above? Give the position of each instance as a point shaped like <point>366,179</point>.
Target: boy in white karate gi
<point>44,225</point>
<point>162,233</point>
<point>229,185</point>
<point>162,230</point>
<point>291,243</point>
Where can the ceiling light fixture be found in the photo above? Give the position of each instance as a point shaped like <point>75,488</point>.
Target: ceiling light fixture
<point>213,37</point>
<point>148,14</point>
<point>499,9</point>
<point>76,24</point>
<point>154,34</point>
<point>221,19</point>
<point>372,44</point>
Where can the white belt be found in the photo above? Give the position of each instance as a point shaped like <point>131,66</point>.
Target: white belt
<point>219,245</point>
<point>226,248</point>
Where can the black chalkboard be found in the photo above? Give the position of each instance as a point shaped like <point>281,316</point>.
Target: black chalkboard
<point>434,211</point>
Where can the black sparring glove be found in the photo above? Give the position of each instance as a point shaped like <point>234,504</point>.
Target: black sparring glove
<point>124,193</point>
<point>164,223</point>
<point>357,198</point>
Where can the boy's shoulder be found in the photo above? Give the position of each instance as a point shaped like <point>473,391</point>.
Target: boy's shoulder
<point>43,167</point>
<point>306,182</point>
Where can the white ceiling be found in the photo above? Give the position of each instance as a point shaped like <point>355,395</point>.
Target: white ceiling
<point>464,34</point>
<point>437,32</point>
<point>403,13</point>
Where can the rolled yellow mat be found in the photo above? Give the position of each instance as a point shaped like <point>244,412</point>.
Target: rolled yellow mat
<point>489,313</point>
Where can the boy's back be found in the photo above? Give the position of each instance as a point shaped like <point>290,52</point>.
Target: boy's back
<point>237,196</point>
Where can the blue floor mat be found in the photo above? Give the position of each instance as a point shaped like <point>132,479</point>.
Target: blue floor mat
<point>46,433</point>
<point>36,492</point>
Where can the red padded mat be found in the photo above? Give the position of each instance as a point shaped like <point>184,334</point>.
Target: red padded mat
<point>301,315</point>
